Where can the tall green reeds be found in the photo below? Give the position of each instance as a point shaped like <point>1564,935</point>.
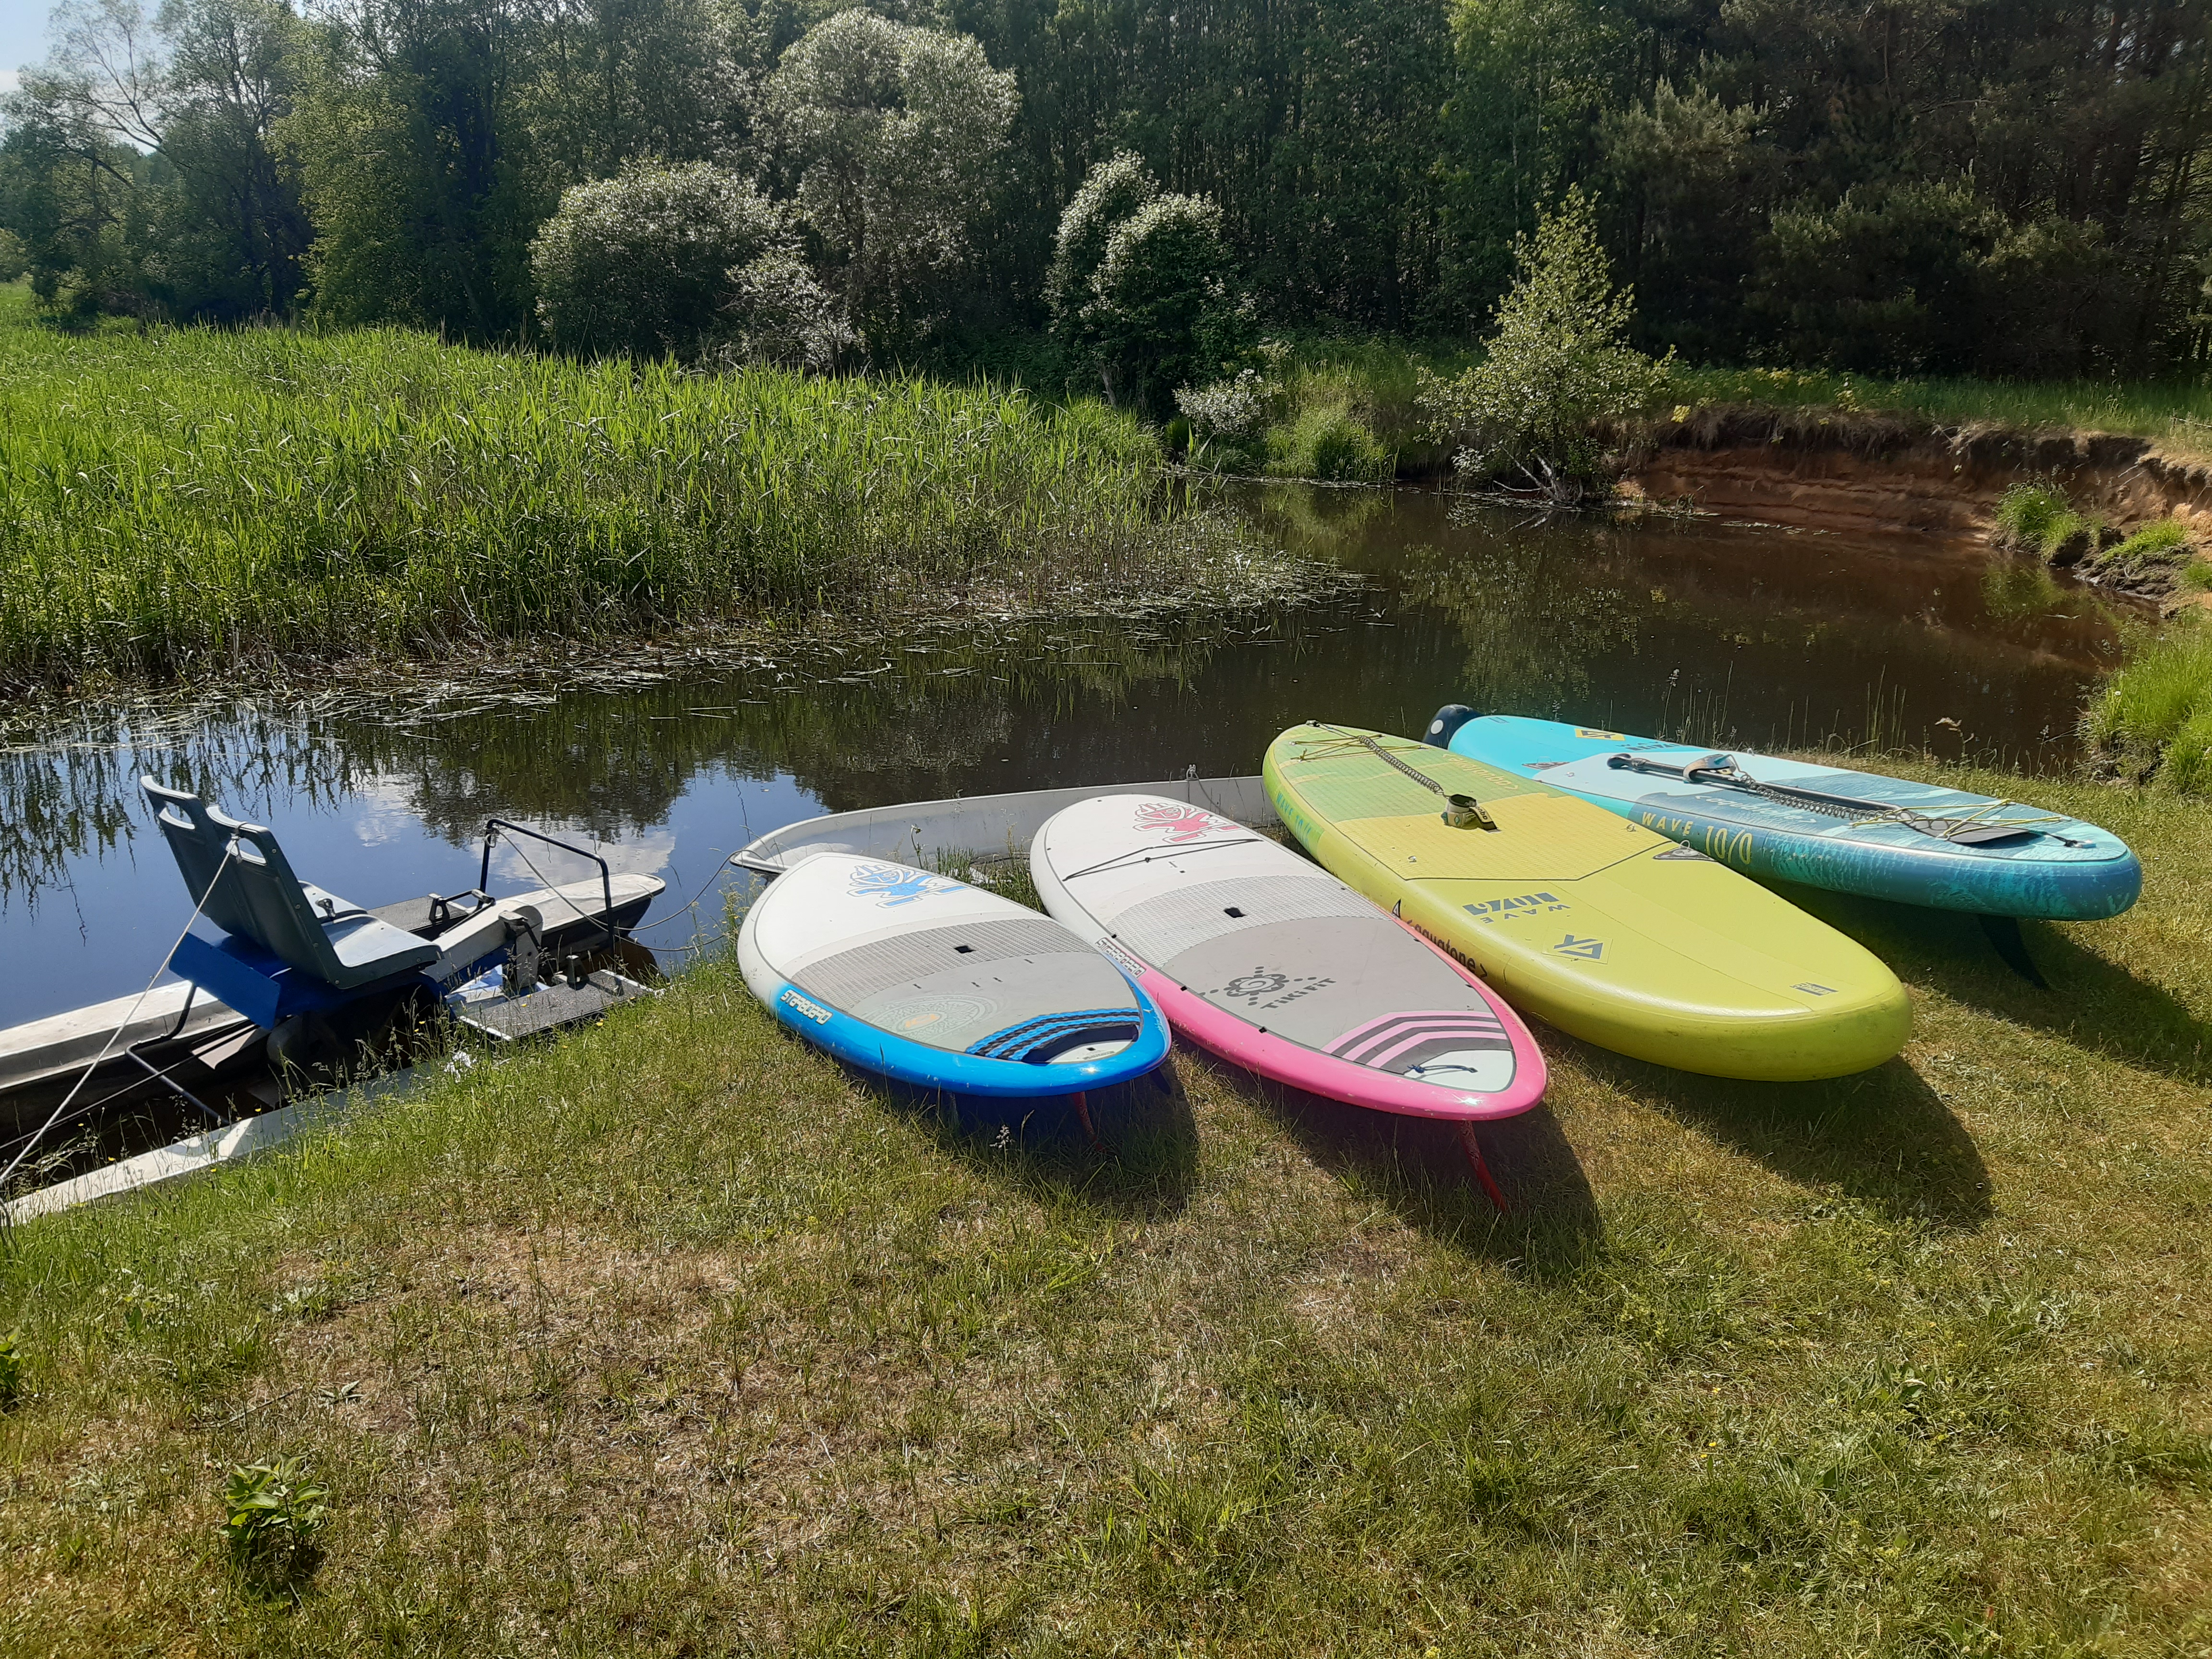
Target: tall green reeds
<point>175,502</point>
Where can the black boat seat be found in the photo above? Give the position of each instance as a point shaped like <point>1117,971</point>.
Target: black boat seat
<point>256,896</point>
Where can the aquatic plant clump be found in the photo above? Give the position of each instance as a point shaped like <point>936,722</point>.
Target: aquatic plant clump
<point>2037,517</point>
<point>2166,541</point>
<point>2154,715</point>
<point>186,502</point>
<point>1329,442</point>
<point>2027,513</point>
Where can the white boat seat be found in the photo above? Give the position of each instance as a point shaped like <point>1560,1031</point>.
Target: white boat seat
<point>256,896</point>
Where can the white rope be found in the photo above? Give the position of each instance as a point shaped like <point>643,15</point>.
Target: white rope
<point>100,1059</point>
<point>555,891</point>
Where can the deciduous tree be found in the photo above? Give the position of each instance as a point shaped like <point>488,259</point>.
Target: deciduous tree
<point>894,135</point>
<point>1557,362</point>
<point>1142,287</point>
<point>646,263</point>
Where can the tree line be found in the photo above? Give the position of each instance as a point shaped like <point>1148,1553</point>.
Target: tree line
<point>2022,188</point>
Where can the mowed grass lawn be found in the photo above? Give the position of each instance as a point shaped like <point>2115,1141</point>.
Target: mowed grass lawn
<point>674,1340</point>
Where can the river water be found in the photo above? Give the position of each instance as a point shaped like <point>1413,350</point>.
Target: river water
<point>1732,635</point>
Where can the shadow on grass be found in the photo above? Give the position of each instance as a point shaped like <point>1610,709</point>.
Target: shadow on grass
<point>1883,1137</point>
<point>1143,1164</point>
<point>1416,1166</point>
<point>2094,1003</point>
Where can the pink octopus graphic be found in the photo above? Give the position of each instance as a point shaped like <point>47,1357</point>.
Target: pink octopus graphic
<point>1181,823</point>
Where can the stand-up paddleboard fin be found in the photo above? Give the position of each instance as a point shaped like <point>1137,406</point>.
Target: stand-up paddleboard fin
<point>1474,1151</point>
<point>1448,720</point>
<point>1083,1117</point>
<point>2004,936</point>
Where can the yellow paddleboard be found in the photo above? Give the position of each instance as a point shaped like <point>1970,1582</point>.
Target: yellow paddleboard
<point>1600,927</point>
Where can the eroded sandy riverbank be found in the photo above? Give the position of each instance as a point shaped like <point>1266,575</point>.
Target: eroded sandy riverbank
<point>1885,472</point>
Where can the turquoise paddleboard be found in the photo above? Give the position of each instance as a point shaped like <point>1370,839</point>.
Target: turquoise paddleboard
<point>1825,826</point>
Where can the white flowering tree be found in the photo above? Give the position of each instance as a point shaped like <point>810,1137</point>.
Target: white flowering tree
<point>895,135</point>
<point>646,263</point>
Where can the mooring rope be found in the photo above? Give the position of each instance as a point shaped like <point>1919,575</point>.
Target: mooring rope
<point>229,851</point>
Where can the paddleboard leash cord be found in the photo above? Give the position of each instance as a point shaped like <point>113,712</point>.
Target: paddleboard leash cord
<point>1461,811</point>
<point>1968,828</point>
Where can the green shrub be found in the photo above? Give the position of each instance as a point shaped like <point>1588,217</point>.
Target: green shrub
<point>1233,411</point>
<point>1558,363</point>
<point>2025,513</point>
<point>646,263</point>
<point>2164,542</point>
<point>1327,441</point>
<point>1166,312</point>
<point>1143,287</point>
<point>11,1369</point>
<point>2157,710</point>
<point>2196,576</point>
<point>1227,421</point>
<point>1884,279</point>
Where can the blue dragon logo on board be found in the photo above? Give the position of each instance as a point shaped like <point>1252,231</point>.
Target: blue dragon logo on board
<point>890,886</point>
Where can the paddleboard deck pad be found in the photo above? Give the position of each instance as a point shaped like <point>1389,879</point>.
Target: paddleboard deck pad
<point>1257,956</point>
<point>1825,826</point>
<point>1606,929</point>
<point>939,985</point>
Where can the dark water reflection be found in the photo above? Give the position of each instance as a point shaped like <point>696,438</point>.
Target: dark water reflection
<point>1730,635</point>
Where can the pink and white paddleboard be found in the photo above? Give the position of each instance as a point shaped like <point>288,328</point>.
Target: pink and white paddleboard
<point>1268,961</point>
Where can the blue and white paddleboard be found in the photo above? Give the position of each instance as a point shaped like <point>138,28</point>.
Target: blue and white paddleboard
<point>1850,832</point>
<point>934,983</point>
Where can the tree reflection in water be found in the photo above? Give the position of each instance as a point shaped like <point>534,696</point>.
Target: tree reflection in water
<point>1733,635</point>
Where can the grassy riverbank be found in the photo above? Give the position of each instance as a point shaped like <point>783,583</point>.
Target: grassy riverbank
<point>674,1340</point>
<point>183,501</point>
<point>2177,417</point>
<point>1374,383</point>
<point>2153,719</point>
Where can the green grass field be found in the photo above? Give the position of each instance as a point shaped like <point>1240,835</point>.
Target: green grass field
<point>673,1339</point>
<point>2178,417</point>
<point>184,503</point>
